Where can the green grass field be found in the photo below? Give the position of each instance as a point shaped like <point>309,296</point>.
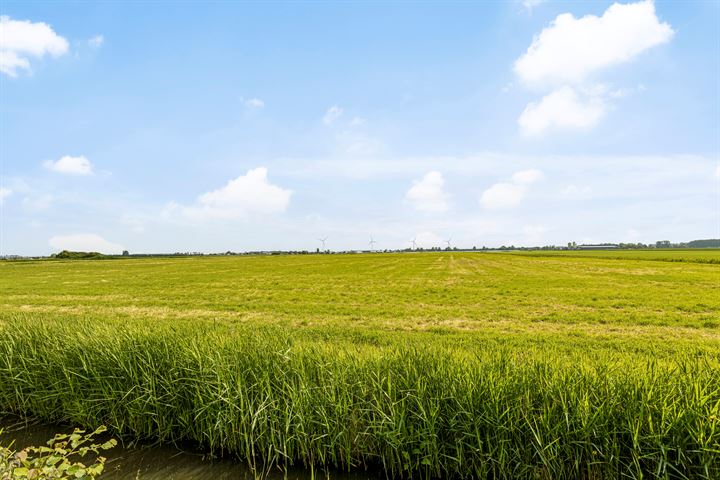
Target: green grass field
<point>469,365</point>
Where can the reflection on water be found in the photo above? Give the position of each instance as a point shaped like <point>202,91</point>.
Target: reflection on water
<point>156,462</point>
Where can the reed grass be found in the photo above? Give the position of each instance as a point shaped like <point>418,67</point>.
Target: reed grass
<point>411,412</point>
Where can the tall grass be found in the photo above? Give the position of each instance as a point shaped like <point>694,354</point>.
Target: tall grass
<point>410,411</point>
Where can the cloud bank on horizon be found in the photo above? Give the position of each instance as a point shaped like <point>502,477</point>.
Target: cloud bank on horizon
<point>564,137</point>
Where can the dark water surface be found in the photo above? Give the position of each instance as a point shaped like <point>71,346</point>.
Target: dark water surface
<point>158,462</point>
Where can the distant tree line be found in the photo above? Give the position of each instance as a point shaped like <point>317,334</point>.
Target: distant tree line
<point>72,255</point>
<point>707,243</point>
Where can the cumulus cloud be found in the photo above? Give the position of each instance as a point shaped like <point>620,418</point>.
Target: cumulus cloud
<point>428,195</point>
<point>96,41</point>
<point>21,39</point>
<point>247,195</point>
<point>70,165</point>
<point>510,194</point>
<point>566,54</point>
<point>252,102</point>
<point>84,242</point>
<point>571,49</point>
<point>4,193</point>
<point>332,115</point>
<point>563,109</point>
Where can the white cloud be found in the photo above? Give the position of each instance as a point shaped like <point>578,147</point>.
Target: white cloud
<point>562,109</point>
<point>659,195</point>
<point>571,49</point>
<point>332,115</point>
<point>428,195</point>
<point>502,195</point>
<point>70,165</point>
<point>4,193</point>
<point>526,177</point>
<point>84,242</point>
<point>247,195</point>
<point>252,102</point>
<point>510,194</point>
<point>10,63</point>
<point>96,41</point>
<point>20,39</point>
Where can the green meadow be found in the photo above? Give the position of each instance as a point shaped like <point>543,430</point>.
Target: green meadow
<point>426,365</point>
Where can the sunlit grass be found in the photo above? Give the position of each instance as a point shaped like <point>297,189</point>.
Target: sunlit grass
<point>424,365</point>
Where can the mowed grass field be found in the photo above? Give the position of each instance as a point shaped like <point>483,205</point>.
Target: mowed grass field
<point>467,365</point>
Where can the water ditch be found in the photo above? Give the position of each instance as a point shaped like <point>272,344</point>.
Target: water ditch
<point>159,462</point>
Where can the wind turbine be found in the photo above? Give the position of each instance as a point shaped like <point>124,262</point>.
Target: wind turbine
<point>372,243</point>
<point>414,243</point>
<point>323,243</point>
<point>448,242</point>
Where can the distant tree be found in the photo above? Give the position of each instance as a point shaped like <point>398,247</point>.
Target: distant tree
<point>709,243</point>
<point>69,255</point>
<point>126,253</point>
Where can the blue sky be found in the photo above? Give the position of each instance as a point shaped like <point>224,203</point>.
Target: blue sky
<point>245,126</point>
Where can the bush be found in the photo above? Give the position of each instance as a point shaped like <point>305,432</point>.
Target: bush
<point>67,254</point>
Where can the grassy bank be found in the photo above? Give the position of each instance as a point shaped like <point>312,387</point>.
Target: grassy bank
<point>409,411</point>
<point>428,365</point>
